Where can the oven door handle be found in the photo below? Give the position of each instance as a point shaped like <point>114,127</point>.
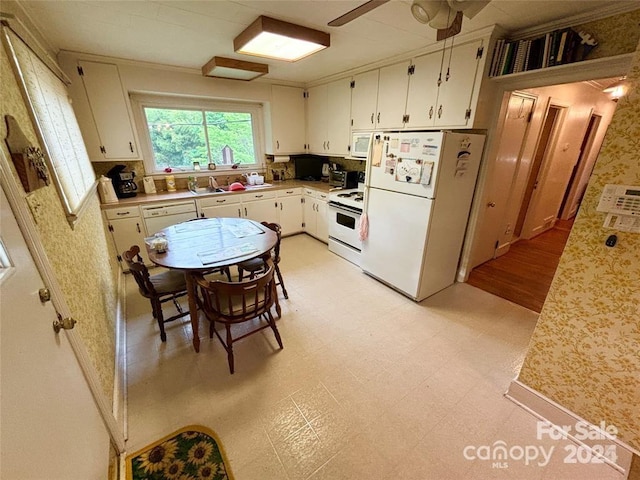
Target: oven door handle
<point>339,206</point>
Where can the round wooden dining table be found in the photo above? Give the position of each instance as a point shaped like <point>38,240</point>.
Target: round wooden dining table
<point>210,243</point>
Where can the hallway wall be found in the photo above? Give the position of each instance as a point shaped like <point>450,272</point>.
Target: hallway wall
<point>584,351</point>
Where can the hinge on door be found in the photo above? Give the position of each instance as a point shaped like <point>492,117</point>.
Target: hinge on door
<point>103,150</point>
<point>411,69</point>
<point>80,71</point>
<point>349,146</point>
<point>303,225</point>
<point>111,228</point>
<point>119,258</point>
<point>467,114</point>
<point>530,116</point>
<point>352,122</point>
<point>302,200</point>
<point>305,94</point>
<point>353,84</point>
<point>479,53</point>
<point>496,245</point>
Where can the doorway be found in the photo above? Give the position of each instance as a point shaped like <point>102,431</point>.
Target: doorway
<point>544,151</point>
<point>558,152</point>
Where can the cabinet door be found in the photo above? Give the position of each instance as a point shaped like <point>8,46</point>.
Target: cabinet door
<point>222,211</point>
<point>127,232</point>
<point>364,96</point>
<point>287,119</point>
<point>261,210</point>
<point>322,224</point>
<point>107,101</point>
<point>309,215</point>
<point>454,96</point>
<point>423,91</point>
<point>392,95</point>
<point>290,214</point>
<point>339,117</point>
<point>317,119</point>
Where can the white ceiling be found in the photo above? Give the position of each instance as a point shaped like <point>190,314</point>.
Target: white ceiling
<point>188,33</point>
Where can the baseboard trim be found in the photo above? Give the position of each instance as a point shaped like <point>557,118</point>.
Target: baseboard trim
<point>120,367</point>
<point>546,409</point>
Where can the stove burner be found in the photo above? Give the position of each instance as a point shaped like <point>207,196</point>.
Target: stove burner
<point>346,195</point>
<point>359,198</point>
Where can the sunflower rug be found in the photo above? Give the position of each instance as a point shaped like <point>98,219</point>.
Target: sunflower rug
<point>191,453</point>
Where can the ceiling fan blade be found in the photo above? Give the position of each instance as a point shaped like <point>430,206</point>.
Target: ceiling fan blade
<point>356,12</point>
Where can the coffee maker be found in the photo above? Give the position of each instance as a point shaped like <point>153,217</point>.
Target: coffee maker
<point>123,182</point>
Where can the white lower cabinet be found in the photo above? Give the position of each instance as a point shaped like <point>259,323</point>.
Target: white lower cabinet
<point>261,207</point>
<point>315,214</point>
<point>290,210</point>
<point>127,229</point>
<point>215,207</point>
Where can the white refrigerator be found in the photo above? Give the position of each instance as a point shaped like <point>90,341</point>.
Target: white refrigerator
<point>418,192</point>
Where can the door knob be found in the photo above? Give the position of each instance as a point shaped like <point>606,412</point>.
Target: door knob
<point>491,204</point>
<point>63,323</point>
<point>45,295</point>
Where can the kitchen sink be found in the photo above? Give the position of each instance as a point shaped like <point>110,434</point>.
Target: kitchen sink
<point>209,190</point>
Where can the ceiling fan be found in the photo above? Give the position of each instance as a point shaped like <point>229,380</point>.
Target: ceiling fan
<point>443,15</point>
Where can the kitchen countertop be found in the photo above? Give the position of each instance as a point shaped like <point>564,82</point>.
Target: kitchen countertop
<point>164,196</point>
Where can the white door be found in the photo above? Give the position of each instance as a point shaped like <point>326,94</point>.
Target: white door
<point>290,214</point>
<point>51,427</point>
<point>392,95</point>
<point>423,91</point>
<point>501,177</point>
<point>322,224</point>
<point>317,119</point>
<point>339,117</point>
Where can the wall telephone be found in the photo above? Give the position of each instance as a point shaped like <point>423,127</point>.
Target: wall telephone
<point>620,200</point>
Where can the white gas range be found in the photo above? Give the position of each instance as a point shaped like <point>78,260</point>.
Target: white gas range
<point>344,213</point>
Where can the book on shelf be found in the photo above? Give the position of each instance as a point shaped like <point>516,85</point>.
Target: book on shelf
<point>559,47</point>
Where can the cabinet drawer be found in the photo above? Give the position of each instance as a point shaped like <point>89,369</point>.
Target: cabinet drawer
<point>248,197</point>
<point>289,192</point>
<point>220,200</point>
<point>310,192</point>
<point>124,212</point>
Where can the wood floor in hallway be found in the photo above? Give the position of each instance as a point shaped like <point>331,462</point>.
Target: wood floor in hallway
<point>523,275</point>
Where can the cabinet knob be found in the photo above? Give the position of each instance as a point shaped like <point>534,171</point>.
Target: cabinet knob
<point>378,120</point>
<point>372,119</point>
<point>440,111</point>
<point>131,147</point>
<point>491,204</point>
<point>431,112</point>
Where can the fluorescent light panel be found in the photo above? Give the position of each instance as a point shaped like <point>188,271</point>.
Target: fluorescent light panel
<point>271,38</point>
<point>222,67</point>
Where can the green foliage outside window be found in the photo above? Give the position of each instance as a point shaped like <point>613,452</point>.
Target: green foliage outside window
<point>180,137</point>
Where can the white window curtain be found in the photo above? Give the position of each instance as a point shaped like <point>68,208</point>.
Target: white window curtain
<point>56,124</point>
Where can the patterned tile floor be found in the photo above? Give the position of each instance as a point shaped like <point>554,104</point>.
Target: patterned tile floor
<point>370,385</point>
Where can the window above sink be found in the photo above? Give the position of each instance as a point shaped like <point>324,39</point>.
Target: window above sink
<point>178,131</point>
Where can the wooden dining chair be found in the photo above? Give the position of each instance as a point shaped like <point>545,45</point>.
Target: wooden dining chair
<point>160,288</point>
<point>233,303</point>
<point>257,265</point>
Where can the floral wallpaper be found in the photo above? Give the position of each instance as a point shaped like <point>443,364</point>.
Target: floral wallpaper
<point>615,35</point>
<point>82,258</point>
<point>584,353</point>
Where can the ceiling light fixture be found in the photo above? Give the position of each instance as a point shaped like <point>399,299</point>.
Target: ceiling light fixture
<point>271,38</point>
<point>617,89</point>
<point>440,14</point>
<point>235,69</point>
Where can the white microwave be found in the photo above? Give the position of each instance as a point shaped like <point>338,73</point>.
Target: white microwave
<point>360,144</point>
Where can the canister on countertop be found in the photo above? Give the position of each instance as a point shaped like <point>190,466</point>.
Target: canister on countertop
<point>106,190</point>
<point>171,183</point>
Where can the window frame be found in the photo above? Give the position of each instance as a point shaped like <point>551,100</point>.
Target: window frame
<point>202,104</point>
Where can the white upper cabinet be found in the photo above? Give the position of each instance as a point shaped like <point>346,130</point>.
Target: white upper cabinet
<point>108,134</point>
<point>423,91</point>
<point>458,82</point>
<point>339,117</point>
<point>287,120</point>
<point>392,95</point>
<point>329,118</point>
<point>364,99</point>
<point>450,103</point>
<point>317,119</point>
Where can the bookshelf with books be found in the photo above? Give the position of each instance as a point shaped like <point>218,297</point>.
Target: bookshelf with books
<point>559,47</point>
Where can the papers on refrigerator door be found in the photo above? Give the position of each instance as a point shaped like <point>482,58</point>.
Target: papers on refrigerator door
<point>376,153</point>
<point>408,170</point>
<point>215,256</point>
<point>427,173</point>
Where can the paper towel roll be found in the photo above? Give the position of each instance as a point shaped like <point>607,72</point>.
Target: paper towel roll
<point>280,158</point>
